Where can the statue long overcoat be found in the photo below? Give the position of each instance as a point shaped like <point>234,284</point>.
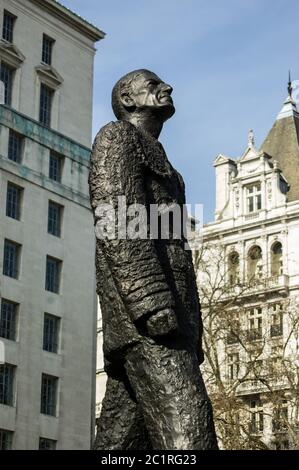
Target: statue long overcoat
<point>139,277</point>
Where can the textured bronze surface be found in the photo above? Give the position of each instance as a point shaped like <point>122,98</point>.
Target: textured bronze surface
<point>155,396</point>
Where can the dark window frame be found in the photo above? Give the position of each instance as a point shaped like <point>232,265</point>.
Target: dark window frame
<point>11,267</point>
<point>55,166</point>
<point>7,377</point>
<point>15,146</point>
<point>14,198</point>
<point>49,393</point>
<point>53,274</point>
<point>6,438</point>
<point>8,319</point>
<point>257,417</point>
<point>45,105</point>
<point>51,333</point>
<point>55,212</point>
<point>8,24</point>
<point>47,444</point>
<point>7,77</point>
<point>47,49</point>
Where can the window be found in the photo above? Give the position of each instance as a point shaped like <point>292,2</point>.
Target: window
<point>233,366</point>
<point>254,197</point>
<point>5,439</point>
<point>8,318</point>
<point>47,49</point>
<point>48,395</point>
<point>6,76</point>
<point>256,417</point>
<point>11,259</point>
<point>46,444</point>
<point>233,268</point>
<point>51,333</point>
<point>53,270</point>
<point>15,142</point>
<point>254,264</point>
<point>13,201</point>
<point>8,25</point>
<point>255,323</point>
<point>55,167</point>
<point>6,384</point>
<point>233,335</point>
<point>255,369</point>
<point>276,364</point>
<point>54,218</point>
<point>280,417</point>
<point>282,444</point>
<point>276,260</point>
<point>276,328</point>
<point>46,95</point>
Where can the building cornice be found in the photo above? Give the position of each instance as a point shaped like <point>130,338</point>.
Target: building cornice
<point>34,177</point>
<point>230,231</point>
<point>43,135</point>
<point>62,13</point>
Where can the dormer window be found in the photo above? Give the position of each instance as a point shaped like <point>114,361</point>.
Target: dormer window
<point>254,197</point>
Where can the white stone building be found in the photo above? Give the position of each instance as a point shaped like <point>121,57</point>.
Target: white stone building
<point>256,233</point>
<point>101,377</point>
<point>47,283</point>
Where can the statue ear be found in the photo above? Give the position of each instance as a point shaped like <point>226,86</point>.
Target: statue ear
<point>126,100</point>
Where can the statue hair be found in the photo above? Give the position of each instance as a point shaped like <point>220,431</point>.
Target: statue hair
<point>123,84</point>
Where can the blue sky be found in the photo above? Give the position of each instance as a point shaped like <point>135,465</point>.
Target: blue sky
<point>227,61</point>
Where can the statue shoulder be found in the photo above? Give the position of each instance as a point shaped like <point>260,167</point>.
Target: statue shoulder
<point>115,133</point>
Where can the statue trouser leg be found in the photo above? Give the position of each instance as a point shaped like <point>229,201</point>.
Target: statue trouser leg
<point>121,425</point>
<point>171,393</point>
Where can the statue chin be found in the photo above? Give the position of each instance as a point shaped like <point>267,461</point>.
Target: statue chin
<point>160,112</point>
<point>165,111</point>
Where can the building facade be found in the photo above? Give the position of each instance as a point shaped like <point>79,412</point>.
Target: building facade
<point>47,284</point>
<point>101,377</point>
<point>248,277</point>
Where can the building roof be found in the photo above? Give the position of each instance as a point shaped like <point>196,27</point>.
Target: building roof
<point>58,10</point>
<point>282,144</point>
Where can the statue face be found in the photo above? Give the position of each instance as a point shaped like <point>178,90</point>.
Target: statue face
<point>149,92</point>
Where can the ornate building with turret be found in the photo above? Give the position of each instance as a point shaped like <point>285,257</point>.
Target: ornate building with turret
<point>248,277</point>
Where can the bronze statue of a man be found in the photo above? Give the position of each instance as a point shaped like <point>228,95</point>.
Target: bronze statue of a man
<point>155,396</point>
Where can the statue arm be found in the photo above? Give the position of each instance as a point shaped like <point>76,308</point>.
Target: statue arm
<point>117,170</point>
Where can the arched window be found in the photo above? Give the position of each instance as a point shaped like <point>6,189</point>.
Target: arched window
<point>276,260</point>
<point>254,263</point>
<point>233,268</point>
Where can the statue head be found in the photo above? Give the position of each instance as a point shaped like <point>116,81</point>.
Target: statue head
<point>142,92</point>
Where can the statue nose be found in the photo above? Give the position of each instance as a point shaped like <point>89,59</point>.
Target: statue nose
<point>168,88</point>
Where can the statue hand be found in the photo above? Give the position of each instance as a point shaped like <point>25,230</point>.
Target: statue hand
<point>162,323</point>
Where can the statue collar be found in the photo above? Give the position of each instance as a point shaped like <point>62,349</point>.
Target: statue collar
<point>154,156</point>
